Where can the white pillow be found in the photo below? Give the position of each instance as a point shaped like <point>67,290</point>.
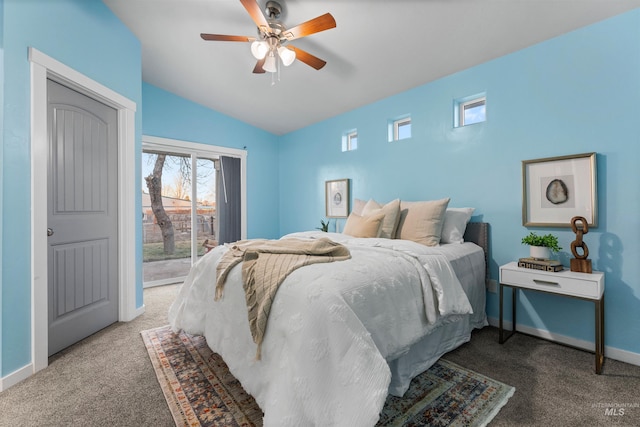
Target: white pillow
<point>391,213</point>
<point>455,223</point>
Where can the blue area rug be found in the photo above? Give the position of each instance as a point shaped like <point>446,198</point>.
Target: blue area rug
<point>200,391</point>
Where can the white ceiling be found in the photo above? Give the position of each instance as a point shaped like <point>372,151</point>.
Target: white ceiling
<point>378,48</point>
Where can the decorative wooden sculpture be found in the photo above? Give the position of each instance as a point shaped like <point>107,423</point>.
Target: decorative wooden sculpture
<point>580,263</point>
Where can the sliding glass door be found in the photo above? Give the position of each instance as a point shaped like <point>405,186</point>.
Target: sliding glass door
<point>180,192</point>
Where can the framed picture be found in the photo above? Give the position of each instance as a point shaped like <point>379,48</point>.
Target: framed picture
<point>337,198</point>
<point>556,189</point>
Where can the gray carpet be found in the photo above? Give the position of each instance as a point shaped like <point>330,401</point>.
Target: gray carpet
<point>107,380</point>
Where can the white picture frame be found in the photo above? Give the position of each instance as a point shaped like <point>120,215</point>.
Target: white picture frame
<point>337,198</point>
<point>556,189</point>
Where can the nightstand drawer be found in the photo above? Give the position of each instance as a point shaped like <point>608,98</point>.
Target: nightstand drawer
<point>565,282</point>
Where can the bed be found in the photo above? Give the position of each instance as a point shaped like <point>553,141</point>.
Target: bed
<point>341,336</point>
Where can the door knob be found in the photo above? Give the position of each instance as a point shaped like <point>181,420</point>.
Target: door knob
<point>49,232</point>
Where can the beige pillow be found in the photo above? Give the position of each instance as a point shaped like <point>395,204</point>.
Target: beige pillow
<point>391,213</point>
<point>363,226</point>
<point>422,222</point>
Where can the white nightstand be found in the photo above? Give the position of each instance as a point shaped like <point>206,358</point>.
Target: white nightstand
<point>567,283</point>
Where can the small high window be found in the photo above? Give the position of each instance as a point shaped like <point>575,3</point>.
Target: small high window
<point>400,129</point>
<point>471,110</point>
<point>350,140</point>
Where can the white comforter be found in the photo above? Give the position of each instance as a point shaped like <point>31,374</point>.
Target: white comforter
<point>331,328</point>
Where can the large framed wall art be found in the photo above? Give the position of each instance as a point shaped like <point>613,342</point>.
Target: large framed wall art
<point>555,189</point>
<point>337,198</point>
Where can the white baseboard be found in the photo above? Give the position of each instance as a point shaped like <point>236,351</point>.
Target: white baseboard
<point>139,311</point>
<point>610,352</point>
<point>15,377</point>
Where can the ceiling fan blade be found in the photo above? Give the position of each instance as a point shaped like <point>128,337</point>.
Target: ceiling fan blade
<point>315,25</point>
<point>258,17</point>
<point>258,68</point>
<point>225,38</point>
<point>307,58</point>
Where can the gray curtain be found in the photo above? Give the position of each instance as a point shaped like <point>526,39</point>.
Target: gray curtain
<point>228,200</point>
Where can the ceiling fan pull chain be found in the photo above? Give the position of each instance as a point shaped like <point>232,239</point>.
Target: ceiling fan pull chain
<point>279,66</point>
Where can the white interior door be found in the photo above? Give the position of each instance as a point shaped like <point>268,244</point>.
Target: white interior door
<point>82,216</point>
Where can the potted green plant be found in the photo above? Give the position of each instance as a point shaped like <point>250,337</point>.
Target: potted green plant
<point>324,226</point>
<point>541,247</point>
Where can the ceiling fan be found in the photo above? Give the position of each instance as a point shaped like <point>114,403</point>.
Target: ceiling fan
<point>273,37</point>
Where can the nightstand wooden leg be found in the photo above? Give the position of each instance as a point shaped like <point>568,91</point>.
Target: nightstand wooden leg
<point>599,334</point>
<point>514,293</point>
<point>500,324</point>
<point>502,337</point>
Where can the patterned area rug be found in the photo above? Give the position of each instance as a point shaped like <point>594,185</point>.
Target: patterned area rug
<point>200,391</point>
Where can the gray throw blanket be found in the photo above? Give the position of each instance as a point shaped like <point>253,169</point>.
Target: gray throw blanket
<point>266,263</point>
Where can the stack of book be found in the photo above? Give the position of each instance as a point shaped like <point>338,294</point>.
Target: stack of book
<point>540,264</point>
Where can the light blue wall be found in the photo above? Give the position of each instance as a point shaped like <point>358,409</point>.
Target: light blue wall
<point>86,36</point>
<point>169,116</point>
<point>574,94</point>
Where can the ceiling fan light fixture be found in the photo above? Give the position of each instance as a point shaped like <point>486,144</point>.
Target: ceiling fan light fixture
<point>259,49</point>
<point>287,55</point>
<point>270,63</point>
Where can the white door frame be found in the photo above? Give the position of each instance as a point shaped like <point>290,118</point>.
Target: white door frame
<point>43,67</point>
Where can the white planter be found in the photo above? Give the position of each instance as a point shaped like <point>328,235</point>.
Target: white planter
<point>539,252</point>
